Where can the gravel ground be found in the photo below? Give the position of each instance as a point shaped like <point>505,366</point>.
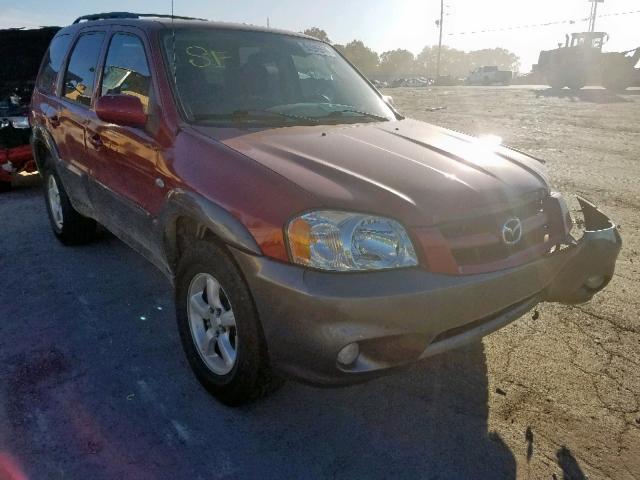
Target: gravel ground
<point>571,378</point>
<point>93,382</point>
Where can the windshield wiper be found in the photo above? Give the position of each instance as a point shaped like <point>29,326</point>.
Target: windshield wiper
<point>339,113</point>
<point>240,115</point>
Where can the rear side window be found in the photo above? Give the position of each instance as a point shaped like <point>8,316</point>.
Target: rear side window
<point>126,71</point>
<point>48,76</point>
<point>81,73</point>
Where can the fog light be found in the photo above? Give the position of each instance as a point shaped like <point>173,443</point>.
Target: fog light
<point>349,354</point>
<point>594,282</point>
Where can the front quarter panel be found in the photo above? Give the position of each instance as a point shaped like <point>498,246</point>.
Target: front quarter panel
<point>219,183</point>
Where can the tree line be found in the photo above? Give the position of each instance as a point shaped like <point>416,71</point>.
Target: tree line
<point>403,63</point>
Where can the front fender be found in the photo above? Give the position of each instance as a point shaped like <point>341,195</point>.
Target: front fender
<point>207,214</point>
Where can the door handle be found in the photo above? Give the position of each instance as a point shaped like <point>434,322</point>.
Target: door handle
<point>54,120</point>
<point>96,141</point>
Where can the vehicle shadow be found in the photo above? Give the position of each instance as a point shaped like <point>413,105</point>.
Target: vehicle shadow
<point>95,385</point>
<point>589,95</point>
<point>427,422</point>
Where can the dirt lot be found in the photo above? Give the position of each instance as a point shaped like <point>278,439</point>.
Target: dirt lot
<point>93,383</point>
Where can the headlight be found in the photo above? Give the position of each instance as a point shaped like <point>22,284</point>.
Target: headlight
<point>341,241</point>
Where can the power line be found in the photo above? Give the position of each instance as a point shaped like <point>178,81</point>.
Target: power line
<point>538,25</point>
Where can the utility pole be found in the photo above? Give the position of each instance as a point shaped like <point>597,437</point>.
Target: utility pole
<point>440,42</point>
<point>594,14</point>
<point>268,23</point>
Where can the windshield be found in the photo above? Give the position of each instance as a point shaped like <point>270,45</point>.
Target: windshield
<point>236,76</point>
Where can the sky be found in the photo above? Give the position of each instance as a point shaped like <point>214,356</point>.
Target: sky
<point>382,24</point>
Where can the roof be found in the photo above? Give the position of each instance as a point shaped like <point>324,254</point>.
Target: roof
<point>589,34</point>
<point>130,15</point>
<point>160,21</point>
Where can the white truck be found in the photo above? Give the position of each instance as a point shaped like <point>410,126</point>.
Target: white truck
<point>489,75</point>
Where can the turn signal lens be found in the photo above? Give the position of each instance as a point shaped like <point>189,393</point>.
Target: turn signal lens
<point>300,240</point>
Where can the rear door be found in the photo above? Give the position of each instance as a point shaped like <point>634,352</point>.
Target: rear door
<point>47,105</point>
<point>128,192</point>
<point>75,101</point>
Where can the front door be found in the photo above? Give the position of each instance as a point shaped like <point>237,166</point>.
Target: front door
<point>128,190</point>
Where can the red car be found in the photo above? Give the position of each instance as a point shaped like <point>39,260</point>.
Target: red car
<point>15,151</point>
<point>309,229</point>
<point>21,52</point>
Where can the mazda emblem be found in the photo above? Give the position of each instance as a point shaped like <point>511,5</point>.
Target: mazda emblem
<point>512,231</point>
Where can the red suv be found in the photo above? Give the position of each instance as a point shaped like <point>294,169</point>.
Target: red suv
<point>309,229</point>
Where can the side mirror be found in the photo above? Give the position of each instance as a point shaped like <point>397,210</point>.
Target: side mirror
<point>121,110</point>
<point>389,100</point>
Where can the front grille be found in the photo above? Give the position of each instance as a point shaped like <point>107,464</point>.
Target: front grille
<point>478,240</point>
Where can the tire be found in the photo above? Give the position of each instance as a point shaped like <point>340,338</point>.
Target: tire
<point>576,80</point>
<point>67,224</point>
<point>204,268</point>
<point>5,187</point>
<point>617,74</point>
<point>617,85</point>
<point>556,82</point>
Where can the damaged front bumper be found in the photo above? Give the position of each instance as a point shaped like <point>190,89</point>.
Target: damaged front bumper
<point>398,317</point>
<point>590,261</point>
<point>577,272</point>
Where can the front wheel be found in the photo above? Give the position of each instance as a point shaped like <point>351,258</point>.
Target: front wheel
<point>5,186</point>
<point>69,226</point>
<point>219,326</point>
<point>556,82</point>
<point>617,85</point>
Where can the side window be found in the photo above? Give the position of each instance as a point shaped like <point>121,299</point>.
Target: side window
<point>51,64</point>
<point>81,73</point>
<point>126,71</point>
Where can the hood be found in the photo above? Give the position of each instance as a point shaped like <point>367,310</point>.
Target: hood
<point>415,172</point>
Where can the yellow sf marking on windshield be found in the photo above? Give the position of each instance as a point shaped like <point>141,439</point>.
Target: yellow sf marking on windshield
<point>203,58</point>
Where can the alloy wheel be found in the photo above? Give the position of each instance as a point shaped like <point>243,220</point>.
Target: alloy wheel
<point>212,323</point>
<point>53,196</point>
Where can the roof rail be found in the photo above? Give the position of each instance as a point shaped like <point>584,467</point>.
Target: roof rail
<point>116,15</point>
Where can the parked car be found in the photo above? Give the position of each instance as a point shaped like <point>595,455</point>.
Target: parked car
<point>15,151</point>
<point>415,82</point>
<point>309,228</point>
<point>380,83</point>
<point>21,52</point>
